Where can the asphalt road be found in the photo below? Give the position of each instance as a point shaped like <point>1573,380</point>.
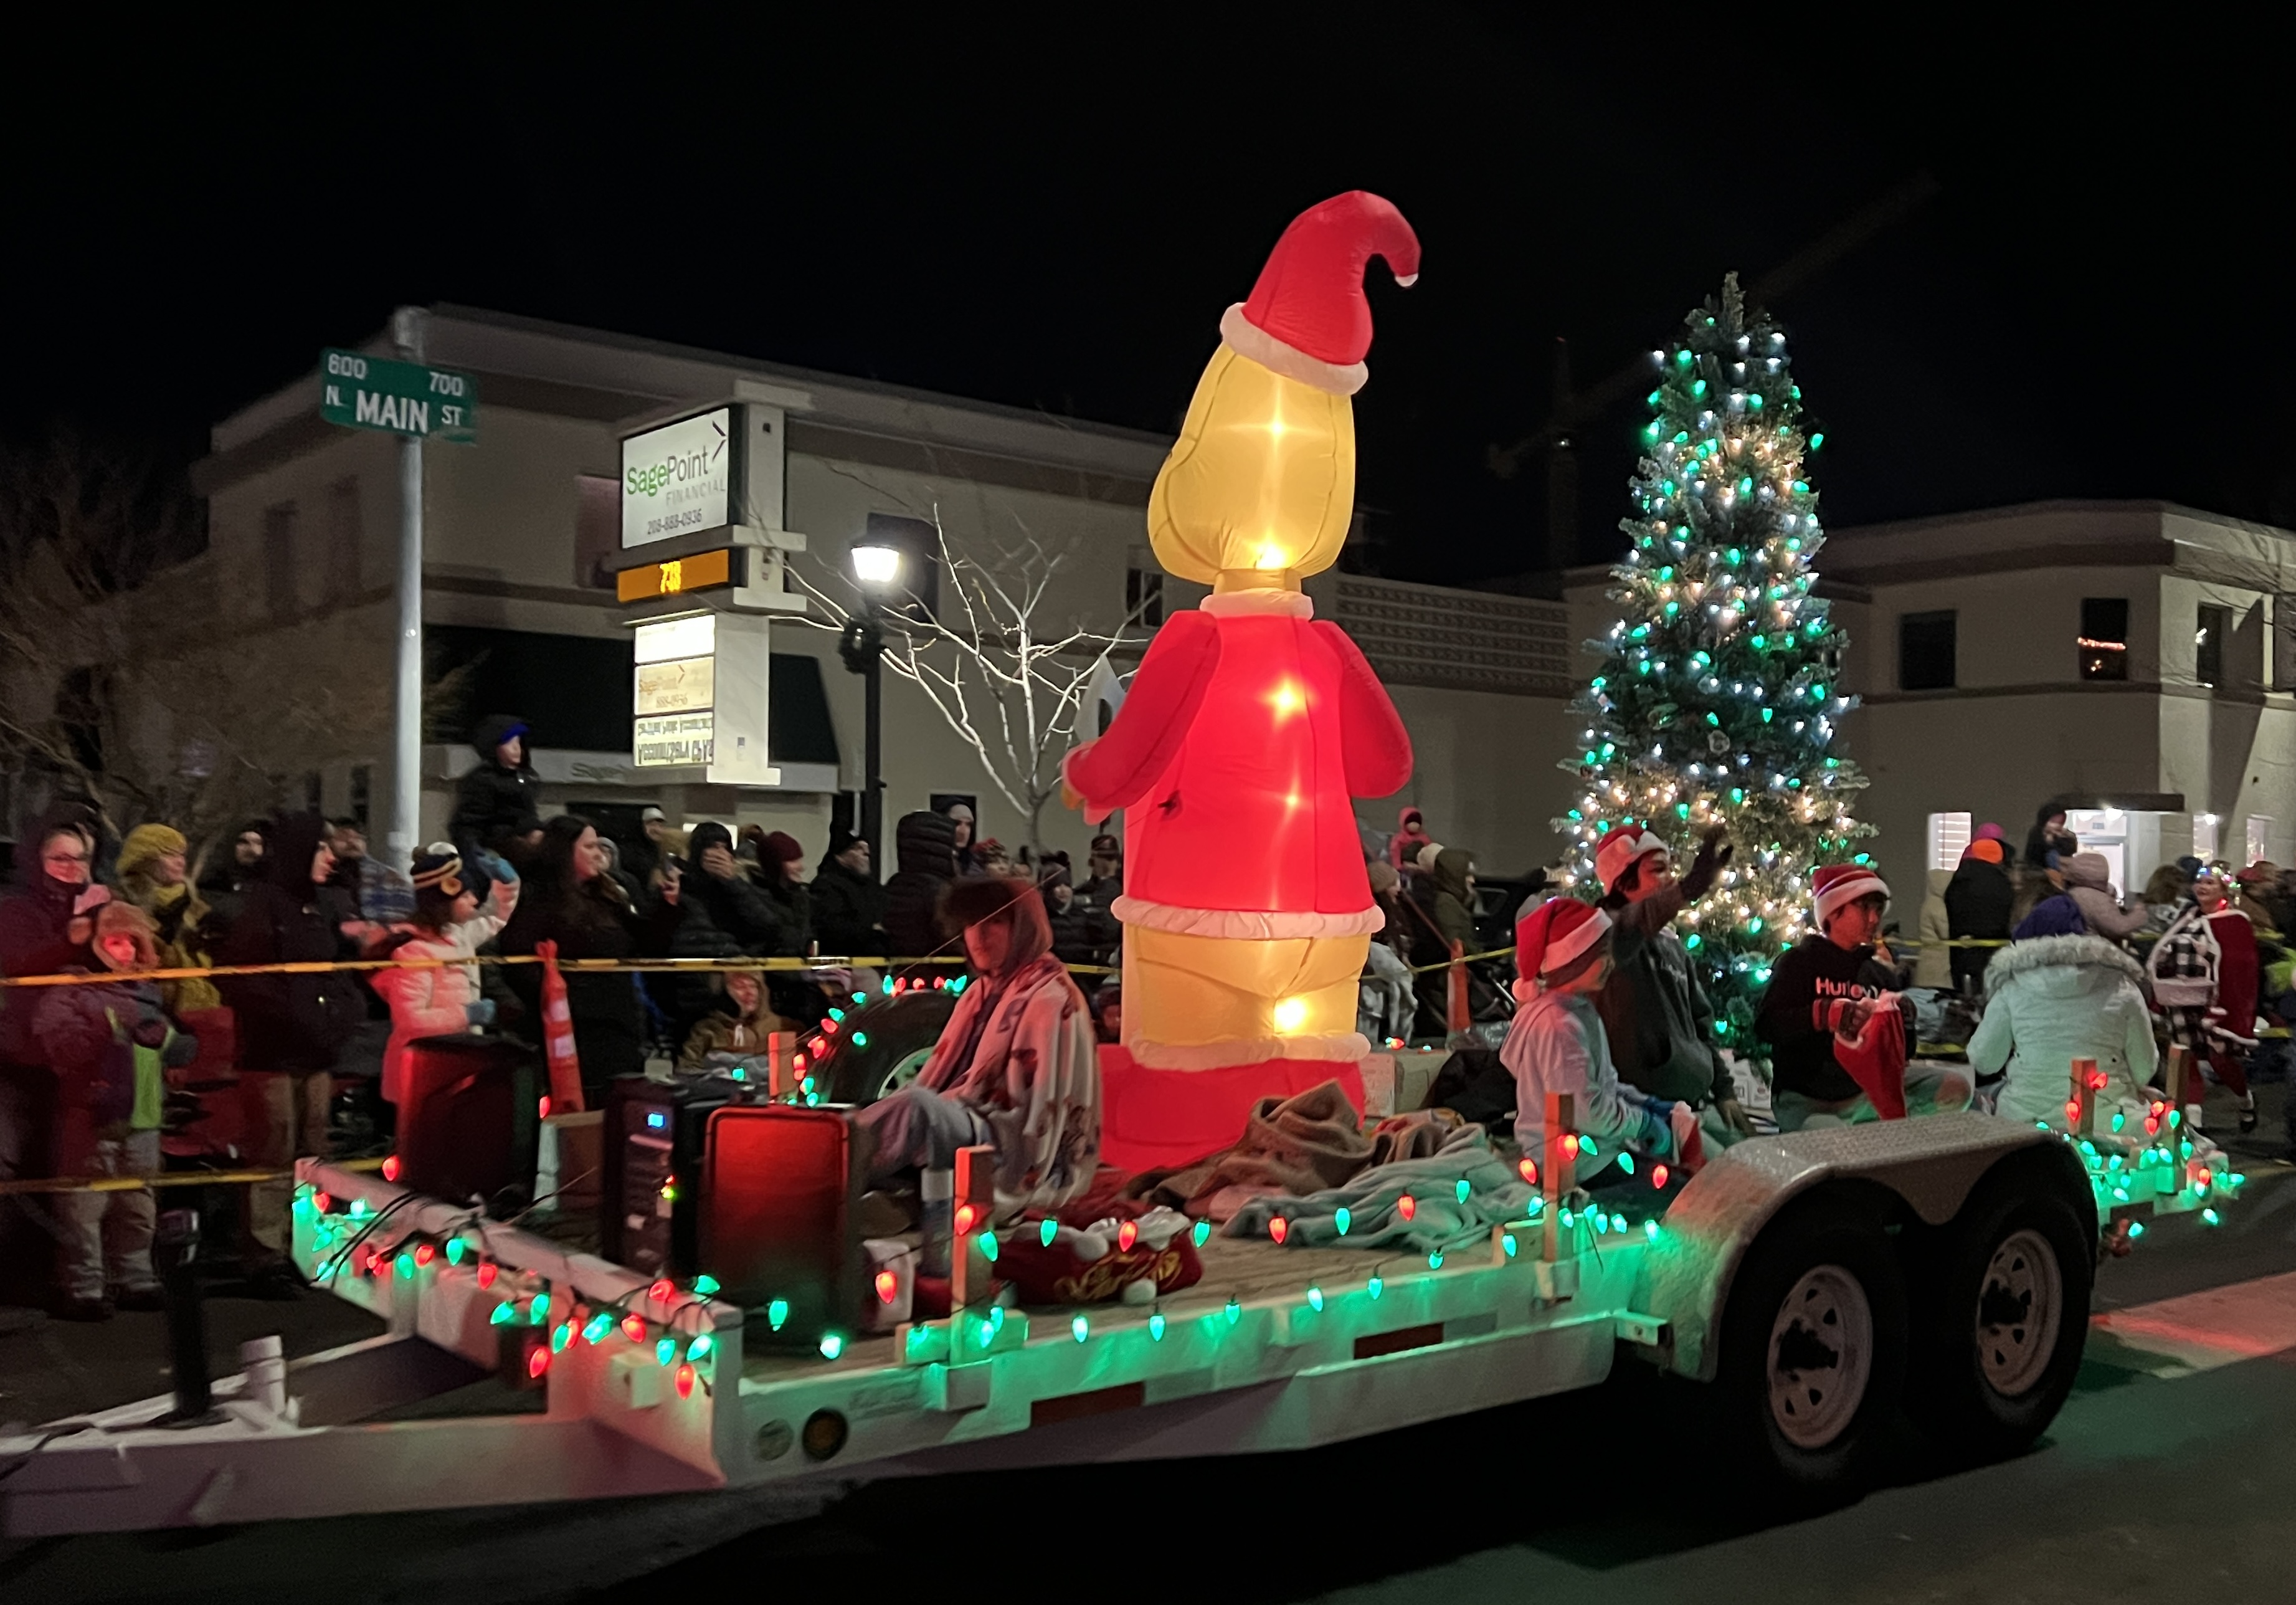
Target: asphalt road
<point>2164,1478</point>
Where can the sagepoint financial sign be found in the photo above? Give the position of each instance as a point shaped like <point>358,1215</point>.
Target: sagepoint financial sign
<point>679,480</point>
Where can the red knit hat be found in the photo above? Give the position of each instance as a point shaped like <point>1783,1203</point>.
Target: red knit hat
<point>1554,934</point>
<point>1624,843</point>
<point>1838,885</point>
<point>1307,318</point>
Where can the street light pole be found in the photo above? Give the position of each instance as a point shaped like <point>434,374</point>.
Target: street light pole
<point>405,818</point>
<point>875,567</point>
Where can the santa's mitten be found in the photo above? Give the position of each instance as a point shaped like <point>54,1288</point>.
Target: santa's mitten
<point>1875,1059</point>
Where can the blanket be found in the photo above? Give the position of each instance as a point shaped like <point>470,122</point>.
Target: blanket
<point>1296,1144</point>
<point>1439,1218</point>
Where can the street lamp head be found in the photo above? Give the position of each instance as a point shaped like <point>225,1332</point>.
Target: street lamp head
<point>876,565</point>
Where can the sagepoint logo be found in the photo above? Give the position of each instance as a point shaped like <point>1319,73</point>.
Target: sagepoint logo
<point>678,466</point>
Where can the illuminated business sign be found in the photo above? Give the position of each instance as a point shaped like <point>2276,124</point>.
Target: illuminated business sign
<point>704,570</point>
<point>675,741</point>
<point>679,479</point>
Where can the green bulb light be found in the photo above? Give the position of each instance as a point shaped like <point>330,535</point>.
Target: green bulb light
<point>1378,1286</point>
<point>665,1351</point>
<point>1079,1329</point>
<point>988,1247</point>
<point>1156,1327</point>
<point>456,1249</point>
<point>1626,1162</point>
<point>1200,1232</point>
<point>1342,1218</point>
<point>777,1313</point>
<point>503,1315</point>
<point>1234,1311</point>
<point>561,1335</point>
<point>1315,1298</point>
<point>705,1285</point>
<point>1051,1229</point>
<point>831,1346</point>
<point>1462,1189</point>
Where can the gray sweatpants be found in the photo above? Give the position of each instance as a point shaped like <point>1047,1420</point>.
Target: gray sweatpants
<point>107,1236</point>
<point>917,1129</point>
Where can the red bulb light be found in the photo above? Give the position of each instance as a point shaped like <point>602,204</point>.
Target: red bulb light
<point>1126,1235</point>
<point>662,1291</point>
<point>488,1271</point>
<point>888,1287</point>
<point>425,1254</point>
<point>390,1168</point>
<point>542,1105</point>
<point>322,1202</point>
<point>686,1381</point>
<point>538,1360</point>
<point>1571,1144</point>
<point>1659,1173</point>
<point>1279,1228</point>
<point>633,1326</point>
<point>1530,1170</point>
<point>1407,1207</point>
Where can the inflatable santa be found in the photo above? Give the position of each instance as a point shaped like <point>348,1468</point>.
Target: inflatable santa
<point>1252,726</point>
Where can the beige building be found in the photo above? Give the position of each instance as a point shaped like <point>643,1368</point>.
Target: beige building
<point>518,599</point>
<point>2133,657</point>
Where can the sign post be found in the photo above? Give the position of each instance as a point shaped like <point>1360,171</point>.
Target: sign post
<point>414,402</point>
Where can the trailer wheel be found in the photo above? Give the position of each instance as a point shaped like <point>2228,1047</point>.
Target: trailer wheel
<point>1814,1350</point>
<point>2007,1315</point>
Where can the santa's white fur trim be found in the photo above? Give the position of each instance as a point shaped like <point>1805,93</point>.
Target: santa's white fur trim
<point>1236,924</point>
<point>1347,1045</point>
<point>1247,339</point>
<point>1256,600</point>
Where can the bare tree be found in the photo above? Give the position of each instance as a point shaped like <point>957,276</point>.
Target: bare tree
<point>1012,682</point>
<point>120,680</point>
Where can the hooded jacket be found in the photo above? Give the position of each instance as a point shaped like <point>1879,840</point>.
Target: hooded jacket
<point>727,918</point>
<point>2086,885</point>
<point>109,1043</point>
<point>725,1030</point>
<point>2051,1000</point>
<point>1655,1013</point>
<point>291,1022</point>
<point>849,910</point>
<point>437,1002</point>
<point>35,930</point>
<point>1976,903</point>
<point>1455,921</point>
<point>2041,840</point>
<point>491,799</point>
<point>926,848</point>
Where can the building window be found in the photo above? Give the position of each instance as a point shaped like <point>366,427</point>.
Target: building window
<point>1948,839</point>
<point>1926,652</point>
<point>2259,831</point>
<point>1143,590</point>
<point>344,539</point>
<point>2209,645</point>
<point>597,529</point>
<point>2104,639</point>
<point>2204,837</point>
<point>279,561</point>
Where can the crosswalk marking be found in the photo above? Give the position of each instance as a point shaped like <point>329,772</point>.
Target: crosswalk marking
<point>2201,1331</point>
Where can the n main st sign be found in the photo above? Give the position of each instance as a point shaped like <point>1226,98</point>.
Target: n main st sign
<point>360,391</point>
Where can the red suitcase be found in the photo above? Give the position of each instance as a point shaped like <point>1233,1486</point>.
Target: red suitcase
<point>780,1192</point>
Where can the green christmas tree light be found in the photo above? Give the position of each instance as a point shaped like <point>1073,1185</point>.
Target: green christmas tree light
<point>1719,697</point>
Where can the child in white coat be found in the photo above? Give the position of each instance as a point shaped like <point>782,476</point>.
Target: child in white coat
<point>444,999</point>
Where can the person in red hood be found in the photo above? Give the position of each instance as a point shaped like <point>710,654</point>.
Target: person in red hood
<point>1410,835</point>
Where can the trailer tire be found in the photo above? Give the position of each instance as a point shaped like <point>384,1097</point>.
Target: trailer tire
<point>857,1071</point>
<point>1813,1351</point>
<point>2006,1316</point>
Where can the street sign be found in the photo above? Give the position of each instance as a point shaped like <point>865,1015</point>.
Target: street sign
<point>360,391</point>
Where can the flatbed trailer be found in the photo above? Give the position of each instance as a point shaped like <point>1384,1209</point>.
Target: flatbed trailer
<point>1815,1281</point>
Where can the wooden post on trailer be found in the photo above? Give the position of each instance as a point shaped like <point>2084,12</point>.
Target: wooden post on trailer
<point>781,1066</point>
<point>2080,1108</point>
<point>2176,1078</point>
<point>970,1275</point>
<point>1558,1169</point>
<point>1461,1014</point>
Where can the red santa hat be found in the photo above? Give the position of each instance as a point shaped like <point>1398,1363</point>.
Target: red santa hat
<point>1548,938</point>
<point>1624,843</point>
<point>1307,318</point>
<point>1837,885</point>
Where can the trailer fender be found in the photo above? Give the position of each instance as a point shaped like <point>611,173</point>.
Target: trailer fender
<point>1930,1164</point>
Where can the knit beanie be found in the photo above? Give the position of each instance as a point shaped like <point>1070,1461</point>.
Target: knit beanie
<point>1623,844</point>
<point>1837,885</point>
<point>1551,936</point>
<point>780,848</point>
<point>146,846</point>
<point>1986,849</point>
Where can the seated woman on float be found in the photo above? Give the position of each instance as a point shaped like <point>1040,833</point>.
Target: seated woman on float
<point>1016,1067</point>
<point>1557,1044</point>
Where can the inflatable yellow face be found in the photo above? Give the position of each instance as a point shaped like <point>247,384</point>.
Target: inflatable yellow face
<point>1260,486</point>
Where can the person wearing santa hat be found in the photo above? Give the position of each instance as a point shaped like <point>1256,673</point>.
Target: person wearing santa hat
<point>1556,1044</point>
<point>1825,987</point>
<point>1661,1024</point>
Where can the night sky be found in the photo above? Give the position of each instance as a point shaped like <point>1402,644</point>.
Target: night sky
<point>2092,304</point>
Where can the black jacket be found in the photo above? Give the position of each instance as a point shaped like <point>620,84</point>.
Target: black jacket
<point>727,918</point>
<point>592,921</point>
<point>491,799</point>
<point>291,1022</point>
<point>1976,903</point>
<point>848,912</point>
<point>926,843</point>
<point>1081,933</point>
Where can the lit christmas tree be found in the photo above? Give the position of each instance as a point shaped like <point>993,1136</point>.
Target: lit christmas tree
<point>1718,699</point>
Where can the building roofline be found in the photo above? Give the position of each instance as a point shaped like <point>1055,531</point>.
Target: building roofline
<point>2138,506</point>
